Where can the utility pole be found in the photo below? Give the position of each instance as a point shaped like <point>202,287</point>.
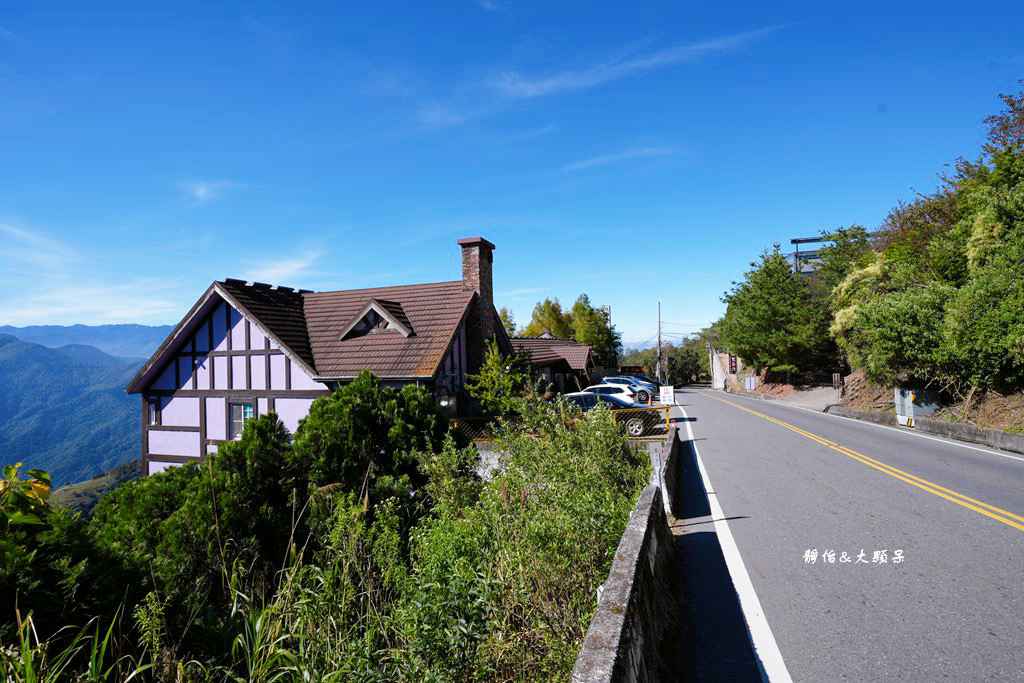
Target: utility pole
<point>657,364</point>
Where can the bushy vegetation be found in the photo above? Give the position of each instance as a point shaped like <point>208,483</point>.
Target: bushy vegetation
<point>366,548</point>
<point>934,296</point>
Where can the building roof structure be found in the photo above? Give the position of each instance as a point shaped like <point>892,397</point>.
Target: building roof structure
<point>548,350</point>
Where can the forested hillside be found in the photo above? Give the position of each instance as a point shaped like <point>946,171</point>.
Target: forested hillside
<point>65,410</point>
<point>934,295</point>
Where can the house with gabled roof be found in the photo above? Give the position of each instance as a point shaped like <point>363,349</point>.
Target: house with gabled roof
<point>564,363</point>
<point>248,348</point>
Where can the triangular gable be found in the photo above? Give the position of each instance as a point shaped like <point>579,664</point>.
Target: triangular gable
<point>210,299</point>
<point>364,322</point>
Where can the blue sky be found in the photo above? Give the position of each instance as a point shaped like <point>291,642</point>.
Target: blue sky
<point>638,154</point>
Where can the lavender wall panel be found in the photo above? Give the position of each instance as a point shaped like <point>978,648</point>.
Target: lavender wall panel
<point>203,337</point>
<point>173,443</point>
<point>216,424</point>
<point>302,381</point>
<point>179,411</point>
<point>185,372</point>
<point>220,327</point>
<point>259,372</point>
<point>256,338</point>
<point>238,372</point>
<point>277,372</point>
<point>156,466</point>
<point>220,372</point>
<point>262,406</point>
<point>237,330</point>
<point>166,378</point>
<point>203,372</point>
<point>291,410</point>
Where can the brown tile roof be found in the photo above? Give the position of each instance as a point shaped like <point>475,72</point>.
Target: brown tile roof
<point>576,354</point>
<point>279,309</point>
<point>396,311</point>
<point>433,312</point>
<point>545,350</point>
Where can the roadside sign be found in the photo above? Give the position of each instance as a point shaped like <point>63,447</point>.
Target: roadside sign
<point>667,395</point>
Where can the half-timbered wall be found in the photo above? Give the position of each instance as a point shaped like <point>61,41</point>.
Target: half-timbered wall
<point>452,376</point>
<point>226,359</point>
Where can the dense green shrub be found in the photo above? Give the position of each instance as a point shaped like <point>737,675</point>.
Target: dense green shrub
<point>344,555</point>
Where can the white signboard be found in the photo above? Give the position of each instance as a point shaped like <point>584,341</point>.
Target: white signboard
<point>667,395</point>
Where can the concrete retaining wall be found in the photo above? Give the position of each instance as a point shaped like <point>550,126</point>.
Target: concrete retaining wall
<point>865,415</point>
<point>638,610</point>
<point>962,432</point>
<point>952,430</point>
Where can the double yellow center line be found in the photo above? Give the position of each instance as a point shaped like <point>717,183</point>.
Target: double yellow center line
<point>1004,516</point>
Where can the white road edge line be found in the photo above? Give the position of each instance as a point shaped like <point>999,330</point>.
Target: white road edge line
<point>769,658</point>
<point>908,432</point>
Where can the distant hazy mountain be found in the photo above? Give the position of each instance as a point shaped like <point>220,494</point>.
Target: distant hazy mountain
<point>90,355</point>
<point>126,341</point>
<point>65,410</point>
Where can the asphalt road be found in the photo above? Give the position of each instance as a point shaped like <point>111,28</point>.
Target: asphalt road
<point>796,485</point>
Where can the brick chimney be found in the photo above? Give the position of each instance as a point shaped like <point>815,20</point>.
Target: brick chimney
<point>477,257</point>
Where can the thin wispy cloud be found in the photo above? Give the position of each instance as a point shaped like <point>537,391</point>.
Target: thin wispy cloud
<point>61,294</point>
<point>529,134</point>
<point>4,33</point>
<point>208,190</point>
<point>132,301</point>
<point>491,5</point>
<point>508,137</point>
<point>283,270</point>
<point>434,114</point>
<point>619,157</point>
<point>515,84</point>
<point>387,82</point>
<point>22,248</point>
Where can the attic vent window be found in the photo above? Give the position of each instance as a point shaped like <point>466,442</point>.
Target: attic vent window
<point>372,323</point>
<point>377,317</point>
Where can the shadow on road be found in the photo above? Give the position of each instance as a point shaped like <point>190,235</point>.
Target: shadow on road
<point>714,632</point>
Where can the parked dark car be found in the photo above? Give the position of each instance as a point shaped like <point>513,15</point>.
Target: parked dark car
<point>585,400</point>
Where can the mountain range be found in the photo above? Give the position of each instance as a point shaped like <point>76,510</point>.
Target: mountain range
<point>64,409</point>
<point>123,341</point>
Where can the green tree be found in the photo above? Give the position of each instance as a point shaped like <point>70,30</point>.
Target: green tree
<point>583,323</point>
<point>940,299</point>
<point>502,381</point>
<point>508,321</point>
<point>549,317</point>
<point>51,565</point>
<point>364,435</point>
<point>590,327</point>
<point>771,320</point>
